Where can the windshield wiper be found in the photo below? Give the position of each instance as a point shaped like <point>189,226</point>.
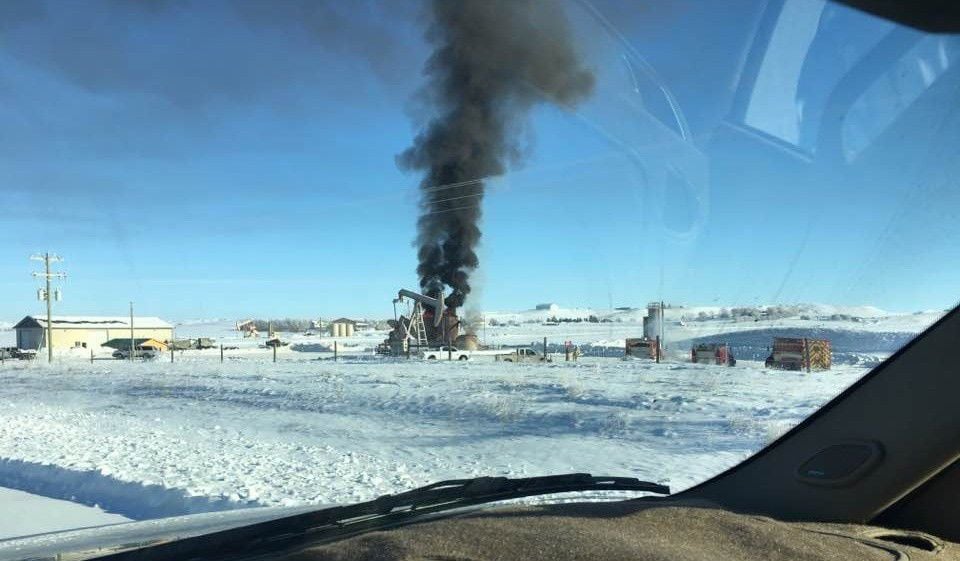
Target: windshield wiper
<point>329,524</point>
<point>455,493</point>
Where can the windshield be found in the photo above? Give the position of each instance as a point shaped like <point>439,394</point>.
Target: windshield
<point>283,254</point>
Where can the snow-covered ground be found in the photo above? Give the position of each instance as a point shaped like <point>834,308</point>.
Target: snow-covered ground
<point>150,439</point>
<point>26,514</point>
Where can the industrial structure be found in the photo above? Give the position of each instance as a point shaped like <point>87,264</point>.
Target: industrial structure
<point>427,323</point>
<point>651,345</point>
<point>342,327</point>
<point>653,322</point>
<point>69,332</point>
<point>248,327</point>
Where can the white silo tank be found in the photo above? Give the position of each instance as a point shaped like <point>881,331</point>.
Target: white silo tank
<point>348,330</point>
<point>653,323</point>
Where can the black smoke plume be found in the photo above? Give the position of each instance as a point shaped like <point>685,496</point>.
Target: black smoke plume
<point>492,61</point>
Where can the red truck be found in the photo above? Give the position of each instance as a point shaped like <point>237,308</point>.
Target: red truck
<point>790,353</point>
<point>712,353</point>
<point>642,347</point>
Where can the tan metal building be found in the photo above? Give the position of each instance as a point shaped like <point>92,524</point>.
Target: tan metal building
<point>70,332</point>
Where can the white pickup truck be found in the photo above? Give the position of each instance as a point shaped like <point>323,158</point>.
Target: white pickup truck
<point>445,353</point>
<point>523,354</point>
<point>453,353</point>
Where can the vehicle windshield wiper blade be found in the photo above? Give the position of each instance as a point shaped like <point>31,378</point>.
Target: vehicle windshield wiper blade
<point>461,492</point>
<point>333,523</point>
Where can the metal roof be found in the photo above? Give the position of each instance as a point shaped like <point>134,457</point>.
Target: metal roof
<point>93,322</point>
<point>124,344</point>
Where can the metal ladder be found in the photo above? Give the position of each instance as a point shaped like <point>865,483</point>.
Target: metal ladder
<point>417,328</point>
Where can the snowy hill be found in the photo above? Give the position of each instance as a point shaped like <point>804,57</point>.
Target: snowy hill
<point>860,334</point>
<point>692,313</point>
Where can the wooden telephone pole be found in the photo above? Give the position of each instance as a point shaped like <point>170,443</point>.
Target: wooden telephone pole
<point>46,295</point>
<point>133,344</point>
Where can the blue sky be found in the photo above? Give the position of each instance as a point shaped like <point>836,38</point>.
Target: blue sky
<point>209,159</point>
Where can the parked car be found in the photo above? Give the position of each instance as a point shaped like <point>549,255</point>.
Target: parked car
<point>139,353</point>
<point>14,353</point>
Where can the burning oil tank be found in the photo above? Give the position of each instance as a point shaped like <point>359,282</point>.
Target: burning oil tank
<point>467,342</point>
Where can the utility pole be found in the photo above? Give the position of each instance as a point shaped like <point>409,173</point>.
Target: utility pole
<point>133,344</point>
<point>46,295</point>
<point>660,337</point>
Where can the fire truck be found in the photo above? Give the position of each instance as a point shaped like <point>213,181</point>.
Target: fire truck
<point>712,353</point>
<point>791,353</point>
<point>642,347</point>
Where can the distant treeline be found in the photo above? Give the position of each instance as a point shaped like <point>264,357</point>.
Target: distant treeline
<point>294,325</point>
<point>290,325</point>
<point>740,314</point>
<point>590,319</point>
<point>755,313</point>
<point>493,322</point>
<point>767,312</point>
